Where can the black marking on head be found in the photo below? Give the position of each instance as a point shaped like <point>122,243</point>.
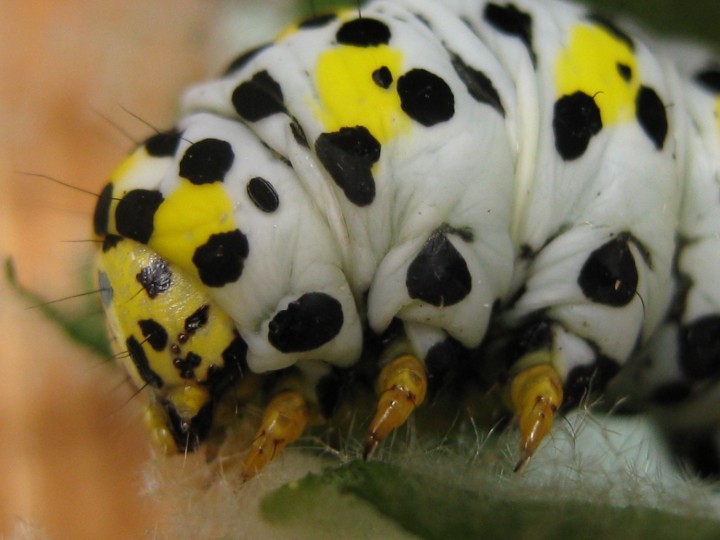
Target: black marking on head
<point>363,32</point>
<point>106,290</point>
<point>612,28</point>
<point>263,194</point>
<point>700,347</point>
<point>221,259</point>
<point>479,86</point>
<point>589,379</point>
<point>101,216</point>
<point>425,97</point>
<point>298,134</point>
<point>206,161</point>
<point>188,434</point>
<point>624,71</point>
<point>510,20</point>
<point>243,60</point>
<point>671,393</point>
<point>156,277</point>
<point>140,360</point>
<point>135,213</point>
<point>309,322</point>
<point>382,77</point>
<point>439,274</point>
<point>609,275</point>
<point>110,241</point>
<point>234,367</point>
<point>652,116</point>
<point>348,156</point>
<point>186,366</point>
<point>576,119</point>
<point>317,21</point>
<point>258,98</point>
<point>197,320</point>
<point>709,79</point>
<point>163,144</point>
<point>154,334</point>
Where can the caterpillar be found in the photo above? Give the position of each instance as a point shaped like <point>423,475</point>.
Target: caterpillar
<point>507,204</point>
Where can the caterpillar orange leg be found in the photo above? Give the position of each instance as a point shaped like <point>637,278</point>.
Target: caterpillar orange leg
<point>402,385</point>
<point>284,421</point>
<point>536,394</point>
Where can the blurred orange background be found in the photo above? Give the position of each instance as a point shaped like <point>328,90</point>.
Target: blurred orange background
<point>72,442</point>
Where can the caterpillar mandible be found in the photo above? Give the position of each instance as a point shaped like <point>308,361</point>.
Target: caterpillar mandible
<point>508,199</point>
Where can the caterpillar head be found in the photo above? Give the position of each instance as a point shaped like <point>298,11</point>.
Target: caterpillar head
<point>171,338</point>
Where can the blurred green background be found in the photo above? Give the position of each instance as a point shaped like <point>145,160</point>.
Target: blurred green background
<point>696,18</point>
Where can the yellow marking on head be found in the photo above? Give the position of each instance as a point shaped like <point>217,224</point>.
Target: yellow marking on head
<point>188,217</point>
<point>209,342</point>
<point>590,63</point>
<point>349,97</point>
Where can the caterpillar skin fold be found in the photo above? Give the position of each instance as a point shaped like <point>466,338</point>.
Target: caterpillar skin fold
<point>521,196</point>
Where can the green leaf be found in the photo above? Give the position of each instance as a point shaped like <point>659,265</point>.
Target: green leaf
<point>433,509</point>
<point>697,18</point>
<point>86,327</point>
<point>323,6</point>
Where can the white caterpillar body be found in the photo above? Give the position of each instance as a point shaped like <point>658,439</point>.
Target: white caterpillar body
<point>491,186</point>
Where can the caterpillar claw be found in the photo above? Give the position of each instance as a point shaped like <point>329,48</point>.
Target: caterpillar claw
<point>284,421</point>
<point>537,394</point>
<point>402,385</point>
